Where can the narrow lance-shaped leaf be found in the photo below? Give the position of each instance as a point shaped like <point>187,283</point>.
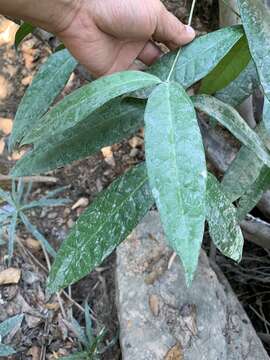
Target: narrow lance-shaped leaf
<point>177,170</point>
<point>228,69</point>
<point>108,125</point>
<point>24,30</point>
<point>255,15</point>
<point>6,350</point>
<point>47,84</point>
<point>107,222</point>
<point>245,168</point>
<point>8,325</point>
<point>222,221</point>
<point>198,58</point>
<point>242,172</point>
<point>241,88</point>
<point>34,231</point>
<point>77,106</point>
<point>230,119</point>
<point>12,236</point>
<point>266,115</point>
<point>253,195</point>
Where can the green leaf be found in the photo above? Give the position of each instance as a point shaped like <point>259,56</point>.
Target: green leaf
<point>6,350</point>
<point>99,230</point>
<point>47,84</point>
<point>24,30</point>
<point>45,203</point>
<point>244,169</point>
<point>253,195</point>
<point>266,115</point>
<point>241,88</point>
<point>230,119</point>
<point>255,15</point>
<point>108,125</point>
<point>8,325</point>
<point>199,57</point>
<point>79,332</point>
<point>4,195</point>
<point>241,174</point>
<point>77,106</point>
<point>34,231</point>
<point>228,69</point>
<point>12,236</point>
<point>177,170</point>
<point>222,221</point>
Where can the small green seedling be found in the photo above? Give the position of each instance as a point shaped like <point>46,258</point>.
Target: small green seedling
<point>89,344</point>
<point>5,328</point>
<point>14,211</point>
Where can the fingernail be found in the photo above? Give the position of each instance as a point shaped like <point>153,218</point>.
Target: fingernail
<point>190,30</point>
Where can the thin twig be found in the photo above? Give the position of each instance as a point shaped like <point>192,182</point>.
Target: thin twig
<point>49,268</point>
<point>40,179</point>
<point>35,260</point>
<point>179,51</point>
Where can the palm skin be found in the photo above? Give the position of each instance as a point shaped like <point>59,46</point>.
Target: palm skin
<point>108,35</point>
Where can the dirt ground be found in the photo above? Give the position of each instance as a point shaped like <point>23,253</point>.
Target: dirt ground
<point>45,333</point>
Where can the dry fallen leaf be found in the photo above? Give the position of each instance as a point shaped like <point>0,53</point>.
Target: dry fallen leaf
<point>52,306</point>
<point>33,244</point>
<point>34,352</point>
<point>154,304</point>
<point>2,146</point>
<point>82,202</point>
<point>176,353</point>
<point>10,276</point>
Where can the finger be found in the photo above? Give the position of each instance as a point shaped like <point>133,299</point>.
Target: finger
<point>150,53</point>
<point>127,53</point>
<point>171,31</point>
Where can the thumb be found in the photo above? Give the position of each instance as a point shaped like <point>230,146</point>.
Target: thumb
<point>171,31</point>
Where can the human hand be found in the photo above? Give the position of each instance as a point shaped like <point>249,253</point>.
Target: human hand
<point>107,36</point>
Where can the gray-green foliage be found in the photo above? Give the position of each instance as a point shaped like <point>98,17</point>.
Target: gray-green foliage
<point>109,109</point>
<point>5,328</point>
<point>15,210</point>
<point>90,345</point>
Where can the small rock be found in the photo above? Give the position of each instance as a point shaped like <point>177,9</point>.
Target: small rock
<point>108,156</point>
<point>33,244</point>
<point>5,125</point>
<point>135,142</point>
<point>107,152</point>
<point>10,276</point>
<point>134,152</point>
<point>27,80</point>
<point>52,215</point>
<point>82,202</point>
<point>8,30</point>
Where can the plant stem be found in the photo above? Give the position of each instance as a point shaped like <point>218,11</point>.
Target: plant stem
<point>179,51</point>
